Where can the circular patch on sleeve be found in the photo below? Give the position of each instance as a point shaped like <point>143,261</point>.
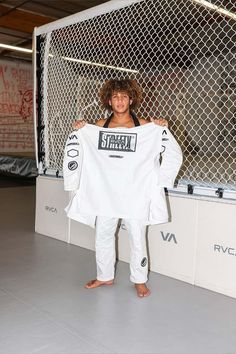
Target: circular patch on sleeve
<point>72,165</point>
<point>144,262</point>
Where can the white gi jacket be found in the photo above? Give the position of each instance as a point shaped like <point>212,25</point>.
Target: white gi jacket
<point>116,172</point>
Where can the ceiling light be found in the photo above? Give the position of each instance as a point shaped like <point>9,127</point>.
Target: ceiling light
<point>101,65</point>
<point>216,8</point>
<point>98,64</point>
<point>18,49</point>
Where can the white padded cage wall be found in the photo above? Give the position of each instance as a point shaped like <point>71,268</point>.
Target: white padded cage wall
<point>183,55</point>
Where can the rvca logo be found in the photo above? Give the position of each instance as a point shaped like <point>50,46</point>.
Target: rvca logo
<point>50,209</point>
<point>117,141</point>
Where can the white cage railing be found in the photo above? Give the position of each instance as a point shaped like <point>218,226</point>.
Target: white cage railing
<point>183,55</point>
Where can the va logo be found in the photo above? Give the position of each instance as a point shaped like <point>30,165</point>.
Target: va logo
<point>168,237</point>
<point>73,136</point>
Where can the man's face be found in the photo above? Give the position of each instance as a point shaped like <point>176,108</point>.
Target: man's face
<point>120,102</point>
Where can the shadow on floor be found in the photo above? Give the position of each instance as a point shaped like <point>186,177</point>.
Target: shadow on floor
<point>9,181</point>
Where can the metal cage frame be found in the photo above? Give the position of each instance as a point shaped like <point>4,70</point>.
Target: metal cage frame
<point>183,55</point>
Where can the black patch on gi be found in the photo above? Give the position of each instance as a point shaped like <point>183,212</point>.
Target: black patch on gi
<point>72,165</point>
<point>143,262</point>
<point>72,144</point>
<point>117,141</point>
<point>116,156</point>
<point>163,149</point>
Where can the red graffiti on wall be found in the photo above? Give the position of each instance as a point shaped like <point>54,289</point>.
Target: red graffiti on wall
<point>26,108</point>
<point>16,107</point>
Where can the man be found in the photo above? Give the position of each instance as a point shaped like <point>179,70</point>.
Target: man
<point>121,97</point>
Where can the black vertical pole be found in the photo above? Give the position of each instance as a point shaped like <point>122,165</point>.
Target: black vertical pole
<point>39,76</point>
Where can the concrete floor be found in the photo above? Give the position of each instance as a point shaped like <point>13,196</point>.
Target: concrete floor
<point>44,307</point>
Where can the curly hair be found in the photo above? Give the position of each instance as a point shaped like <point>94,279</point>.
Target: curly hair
<point>129,86</point>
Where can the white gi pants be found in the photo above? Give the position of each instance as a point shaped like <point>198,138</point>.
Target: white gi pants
<point>105,249</point>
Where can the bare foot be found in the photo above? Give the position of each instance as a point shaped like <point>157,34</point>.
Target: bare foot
<point>92,284</point>
<point>142,290</point>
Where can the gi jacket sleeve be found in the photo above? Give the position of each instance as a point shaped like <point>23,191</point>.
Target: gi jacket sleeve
<point>72,163</point>
<point>171,159</point>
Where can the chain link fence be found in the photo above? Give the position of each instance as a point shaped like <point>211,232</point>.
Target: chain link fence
<point>183,55</point>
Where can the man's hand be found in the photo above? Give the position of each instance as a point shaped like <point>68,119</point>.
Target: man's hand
<point>160,121</point>
<point>78,124</point>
